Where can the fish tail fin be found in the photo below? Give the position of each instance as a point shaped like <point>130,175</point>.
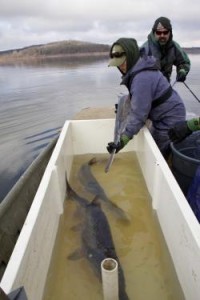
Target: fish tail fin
<point>92,161</point>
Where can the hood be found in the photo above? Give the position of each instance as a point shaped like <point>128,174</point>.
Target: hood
<point>165,23</point>
<point>144,63</point>
<point>131,49</point>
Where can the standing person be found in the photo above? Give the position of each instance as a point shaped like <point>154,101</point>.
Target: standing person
<point>151,95</point>
<point>161,45</point>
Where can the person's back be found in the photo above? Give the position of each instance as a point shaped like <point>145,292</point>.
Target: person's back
<point>161,45</point>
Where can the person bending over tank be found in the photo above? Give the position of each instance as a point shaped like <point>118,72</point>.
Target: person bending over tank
<point>151,95</point>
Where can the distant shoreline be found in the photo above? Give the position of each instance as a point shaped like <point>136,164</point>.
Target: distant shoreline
<point>65,50</point>
<point>195,50</point>
<point>14,59</point>
<point>69,49</point>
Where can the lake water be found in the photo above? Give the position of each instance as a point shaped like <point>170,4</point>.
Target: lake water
<point>35,100</point>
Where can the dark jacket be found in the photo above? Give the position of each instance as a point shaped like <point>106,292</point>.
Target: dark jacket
<point>167,55</point>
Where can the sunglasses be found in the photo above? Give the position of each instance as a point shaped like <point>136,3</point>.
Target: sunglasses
<point>162,32</point>
<point>117,54</point>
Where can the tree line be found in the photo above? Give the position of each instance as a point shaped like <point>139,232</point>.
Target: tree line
<point>58,48</point>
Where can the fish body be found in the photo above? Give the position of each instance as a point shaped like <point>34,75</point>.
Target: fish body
<point>96,239</point>
<point>91,184</point>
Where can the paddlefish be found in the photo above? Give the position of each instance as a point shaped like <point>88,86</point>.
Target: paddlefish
<point>96,238</point>
<point>90,183</point>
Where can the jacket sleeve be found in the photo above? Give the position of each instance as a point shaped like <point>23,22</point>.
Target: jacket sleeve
<point>182,60</point>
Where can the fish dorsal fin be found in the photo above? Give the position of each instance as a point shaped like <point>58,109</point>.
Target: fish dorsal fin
<point>96,201</point>
<point>92,161</point>
<point>77,254</point>
<point>76,227</point>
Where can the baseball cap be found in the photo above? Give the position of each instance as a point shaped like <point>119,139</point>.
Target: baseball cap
<point>117,55</point>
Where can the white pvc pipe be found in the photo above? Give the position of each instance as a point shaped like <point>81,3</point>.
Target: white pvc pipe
<point>109,272</point>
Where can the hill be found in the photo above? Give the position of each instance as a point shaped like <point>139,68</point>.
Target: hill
<point>55,50</point>
<point>192,50</point>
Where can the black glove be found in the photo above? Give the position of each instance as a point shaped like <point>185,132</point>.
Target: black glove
<point>116,107</point>
<point>181,75</point>
<point>179,132</point>
<point>112,146</point>
<point>124,139</point>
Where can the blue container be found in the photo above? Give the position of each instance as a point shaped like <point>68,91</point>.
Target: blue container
<point>185,160</point>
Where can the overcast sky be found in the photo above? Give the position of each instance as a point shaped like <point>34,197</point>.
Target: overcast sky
<point>31,22</point>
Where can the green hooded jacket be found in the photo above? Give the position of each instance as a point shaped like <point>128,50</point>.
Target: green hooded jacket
<point>167,55</point>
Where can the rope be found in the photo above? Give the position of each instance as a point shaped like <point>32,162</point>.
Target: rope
<point>191,92</point>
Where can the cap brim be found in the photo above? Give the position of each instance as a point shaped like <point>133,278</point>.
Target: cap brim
<point>116,62</point>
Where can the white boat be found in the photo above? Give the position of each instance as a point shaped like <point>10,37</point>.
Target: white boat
<point>30,260</point>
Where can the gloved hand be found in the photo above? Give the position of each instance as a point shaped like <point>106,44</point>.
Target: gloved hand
<point>124,139</point>
<point>179,132</point>
<point>181,75</point>
<point>116,107</point>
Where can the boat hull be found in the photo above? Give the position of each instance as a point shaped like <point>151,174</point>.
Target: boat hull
<point>30,260</point>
